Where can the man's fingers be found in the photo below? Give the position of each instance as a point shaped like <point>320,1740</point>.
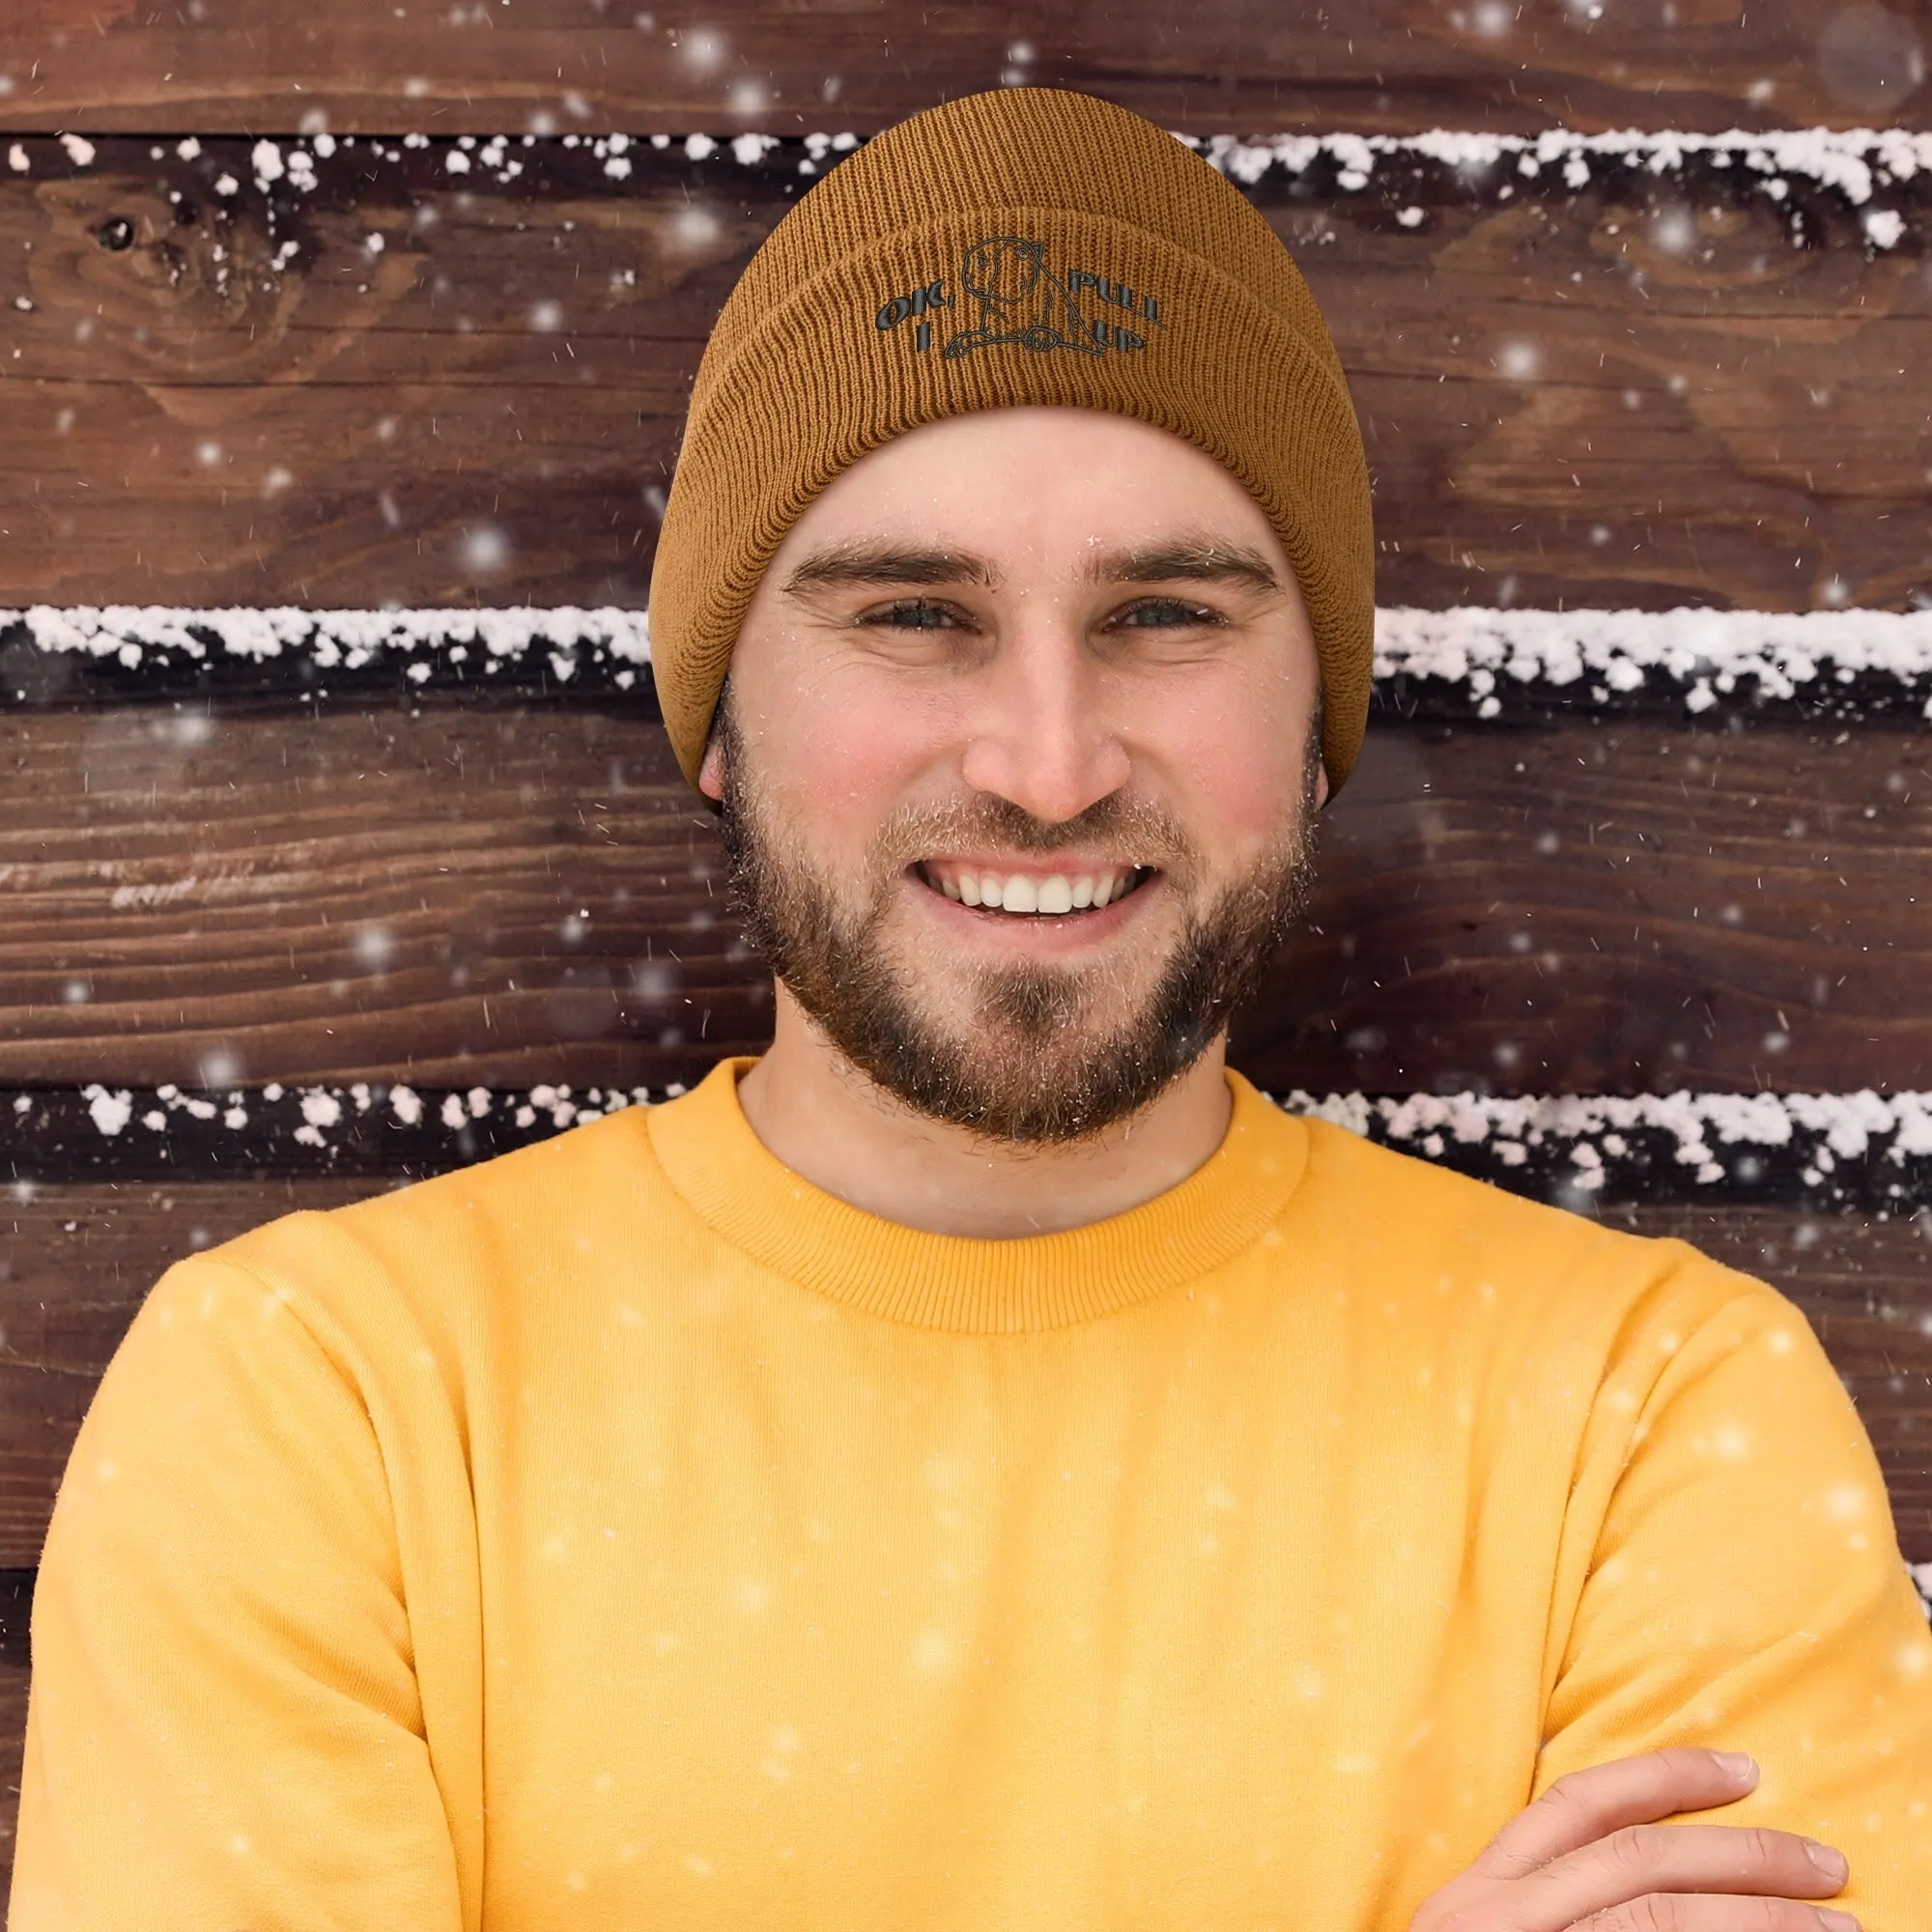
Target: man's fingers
<point>1667,1912</point>
<point>1591,1855</point>
<point>1590,1805</point>
<point>1642,1862</point>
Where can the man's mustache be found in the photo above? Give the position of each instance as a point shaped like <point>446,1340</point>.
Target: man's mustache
<point>1131,830</point>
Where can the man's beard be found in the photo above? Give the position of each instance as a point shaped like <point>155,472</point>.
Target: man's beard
<point>1029,1070</point>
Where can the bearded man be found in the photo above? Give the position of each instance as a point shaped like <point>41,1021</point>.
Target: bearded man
<point>980,1464</point>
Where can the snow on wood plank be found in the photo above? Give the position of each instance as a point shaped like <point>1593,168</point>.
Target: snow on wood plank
<point>1460,663</point>
<point>1828,1152</point>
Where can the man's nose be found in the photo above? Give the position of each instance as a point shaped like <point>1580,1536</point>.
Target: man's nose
<point>1039,732</point>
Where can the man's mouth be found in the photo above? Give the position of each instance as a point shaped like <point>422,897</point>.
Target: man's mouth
<point>1032,894</point>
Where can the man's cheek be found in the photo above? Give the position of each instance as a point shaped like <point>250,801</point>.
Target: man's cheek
<point>827,807</point>
<point>850,770</point>
<point>1243,789</point>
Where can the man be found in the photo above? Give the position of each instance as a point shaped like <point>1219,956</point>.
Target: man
<point>980,1464</point>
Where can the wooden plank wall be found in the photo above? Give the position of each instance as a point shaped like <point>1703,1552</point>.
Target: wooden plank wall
<point>592,66</point>
<point>283,321</point>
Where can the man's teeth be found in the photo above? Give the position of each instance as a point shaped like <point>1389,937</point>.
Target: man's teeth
<point>1018,891</point>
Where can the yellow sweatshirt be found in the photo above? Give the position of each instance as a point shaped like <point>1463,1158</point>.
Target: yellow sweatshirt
<point>623,1534</point>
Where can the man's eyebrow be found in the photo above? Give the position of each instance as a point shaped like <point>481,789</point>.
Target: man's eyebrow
<point>865,564</point>
<point>1187,561</point>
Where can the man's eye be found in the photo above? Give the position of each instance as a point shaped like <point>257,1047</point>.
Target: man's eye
<point>913,614</point>
<point>1152,613</point>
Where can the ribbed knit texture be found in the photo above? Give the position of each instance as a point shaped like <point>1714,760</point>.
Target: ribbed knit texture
<point>625,1534</point>
<point>977,1287</point>
<point>1092,226</point>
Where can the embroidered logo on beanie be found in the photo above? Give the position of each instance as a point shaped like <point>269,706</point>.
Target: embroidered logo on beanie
<point>1018,298</point>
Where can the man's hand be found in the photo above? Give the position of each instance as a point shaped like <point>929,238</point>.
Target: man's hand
<point>1590,1855</point>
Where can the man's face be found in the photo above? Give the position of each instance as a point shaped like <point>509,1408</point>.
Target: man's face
<point>1017,764</point>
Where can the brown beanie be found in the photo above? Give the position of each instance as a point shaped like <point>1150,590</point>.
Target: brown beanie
<point>1022,247</point>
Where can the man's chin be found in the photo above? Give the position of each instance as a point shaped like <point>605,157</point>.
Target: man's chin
<point>1056,1013</point>
<point>1019,1063</point>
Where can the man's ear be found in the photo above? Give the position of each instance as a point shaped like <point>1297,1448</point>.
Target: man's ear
<point>711,773</point>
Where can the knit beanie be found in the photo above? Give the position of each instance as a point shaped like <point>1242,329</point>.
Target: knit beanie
<point>1024,247</point>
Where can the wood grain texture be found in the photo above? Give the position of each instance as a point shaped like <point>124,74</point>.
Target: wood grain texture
<point>13,1738</point>
<point>1639,394</point>
<point>75,1263</point>
<point>270,64</point>
<point>1606,907</point>
<point>492,896</point>
<point>499,896</point>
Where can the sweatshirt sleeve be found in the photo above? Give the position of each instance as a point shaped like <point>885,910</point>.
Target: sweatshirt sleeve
<point>225,1728</point>
<point>1744,1588</point>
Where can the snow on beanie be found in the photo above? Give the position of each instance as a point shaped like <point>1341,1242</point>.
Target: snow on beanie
<point>1027,246</point>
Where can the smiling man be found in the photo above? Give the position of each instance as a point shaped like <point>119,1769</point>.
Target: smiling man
<point>980,1464</point>
<point>1018,787</point>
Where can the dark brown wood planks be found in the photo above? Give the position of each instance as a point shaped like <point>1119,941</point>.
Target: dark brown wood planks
<point>422,388</point>
<point>258,66</point>
<point>1610,906</point>
<point>501,895</point>
<point>75,1261</point>
<point>12,1740</point>
<point>493,894</point>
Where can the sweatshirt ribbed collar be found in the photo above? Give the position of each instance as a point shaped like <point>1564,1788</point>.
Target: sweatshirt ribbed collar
<point>751,1200</point>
